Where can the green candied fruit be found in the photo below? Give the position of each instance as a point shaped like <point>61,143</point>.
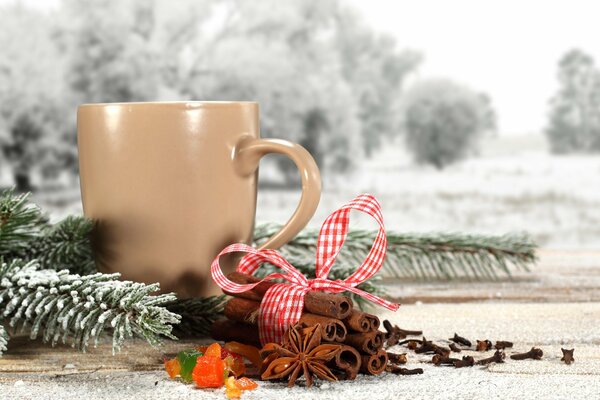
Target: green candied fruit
<point>187,361</point>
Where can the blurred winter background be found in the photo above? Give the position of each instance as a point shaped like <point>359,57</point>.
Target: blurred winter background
<point>459,116</point>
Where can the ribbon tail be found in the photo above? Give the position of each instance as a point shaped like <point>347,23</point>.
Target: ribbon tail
<point>371,297</point>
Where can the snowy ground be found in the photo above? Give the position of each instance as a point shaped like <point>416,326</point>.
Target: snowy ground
<point>549,326</point>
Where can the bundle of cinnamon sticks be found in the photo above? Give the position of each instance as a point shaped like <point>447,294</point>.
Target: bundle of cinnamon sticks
<point>357,331</point>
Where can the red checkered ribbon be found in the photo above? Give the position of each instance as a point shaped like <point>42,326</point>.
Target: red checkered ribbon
<point>283,303</point>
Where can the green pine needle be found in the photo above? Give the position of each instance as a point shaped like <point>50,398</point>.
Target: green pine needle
<point>20,224</point>
<point>197,314</point>
<point>443,256</point>
<point>66,245</point>
<point>3,339</point>
<point>58,306</point>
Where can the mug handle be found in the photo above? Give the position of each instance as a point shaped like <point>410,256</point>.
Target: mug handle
<point>248,153</point>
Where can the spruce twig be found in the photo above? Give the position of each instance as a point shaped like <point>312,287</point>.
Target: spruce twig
<point>59,305</point>
<point>65,245</point>
<point>3,339</point>
<point>422,256</point>
<point>20,224</point>
<point>197,314</point>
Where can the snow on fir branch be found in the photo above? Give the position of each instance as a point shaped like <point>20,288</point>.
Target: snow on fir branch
<point>59,306</point>
<point>422,256</point>
<point>3,339</point>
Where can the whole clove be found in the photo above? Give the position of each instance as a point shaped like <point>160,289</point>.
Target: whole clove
<point>460,340</point>
<point>396,359</point>
<point>567,356</point>
<point>440,360</point>
<point>425,347</point>
<point>454,348</point>
<point>483,345</point>
<point>467,361</point>
<point>534,353</point>
<point>394,333</point>
<point>402,332</point>
<point>442,351</point>
<point>498,357</point>
<point>412,345</point>
<point>403,371</point>
<point>502,344</point>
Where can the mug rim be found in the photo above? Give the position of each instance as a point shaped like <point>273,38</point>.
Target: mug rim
<point>190,104</point>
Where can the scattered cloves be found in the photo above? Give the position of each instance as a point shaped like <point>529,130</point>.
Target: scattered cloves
<point>483,345</point>
<point>534,353</point>
<point>567,356</point>
<point>440,360</point>
<point>442,351</point>
<point>502,344</point>
<point>425,347</point>
<point>395,333</point>
<point>498,357</point>
<point>403,371</point>
<point>397,358</point>
<point>454,348</point>
<point>460,340</point>
<point>412,345</point>
<point>467,361</point>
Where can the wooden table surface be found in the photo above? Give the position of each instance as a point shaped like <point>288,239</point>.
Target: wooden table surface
<point>560,276</point>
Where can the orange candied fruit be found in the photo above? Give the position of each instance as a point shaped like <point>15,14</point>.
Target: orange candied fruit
<point>250,352</point>
<point>245,383</point>
<point>235,365</point>
<point>231,389</point>
<point>214,350</point>
<point>209,372</point>
<point>172,367</point>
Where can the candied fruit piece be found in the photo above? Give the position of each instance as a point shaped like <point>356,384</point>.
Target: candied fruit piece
<point>235,365</point>
<point>172,367</point>
<point>245,350</point>
<point>209,372</point>
<point>231,389</point>
<point>214,350</point>
<point>187,361</point>
<point>245,384</point>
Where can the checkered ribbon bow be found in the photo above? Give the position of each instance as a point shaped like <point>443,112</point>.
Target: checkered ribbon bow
<point>282,304</point>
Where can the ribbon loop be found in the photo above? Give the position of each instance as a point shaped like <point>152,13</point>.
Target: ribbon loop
<point>283,303</point>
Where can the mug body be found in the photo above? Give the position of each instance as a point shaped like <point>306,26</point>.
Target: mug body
<point>160,182</point>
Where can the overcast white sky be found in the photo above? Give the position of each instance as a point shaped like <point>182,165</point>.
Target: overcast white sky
<point>507,48</point>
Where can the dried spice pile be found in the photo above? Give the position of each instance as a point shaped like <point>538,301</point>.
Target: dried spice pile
<point>327,319</point>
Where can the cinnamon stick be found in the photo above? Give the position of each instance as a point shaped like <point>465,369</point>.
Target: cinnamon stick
<point>369,342</point>
<point>320,303</point>
<point>359,321</point>
<point>348,360</point>
<point>232,331</point>
<point>374,364</point>
<point>244,310</point>
<point>332,330</point>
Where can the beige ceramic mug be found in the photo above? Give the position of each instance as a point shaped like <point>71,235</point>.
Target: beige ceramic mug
<point>171,184</point>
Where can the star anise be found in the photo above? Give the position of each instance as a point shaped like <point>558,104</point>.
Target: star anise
<point>302,352</point>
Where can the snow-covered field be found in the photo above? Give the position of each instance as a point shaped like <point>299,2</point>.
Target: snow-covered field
<point>508,188</point>
<point>513,185</point>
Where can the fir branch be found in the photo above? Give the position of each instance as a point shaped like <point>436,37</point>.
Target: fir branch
<point>3,339</point>
<point>197,314</point>
<point>58,305</point>
<point>20,224</point>
<point>65,245</point>
<point>422,256</point>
